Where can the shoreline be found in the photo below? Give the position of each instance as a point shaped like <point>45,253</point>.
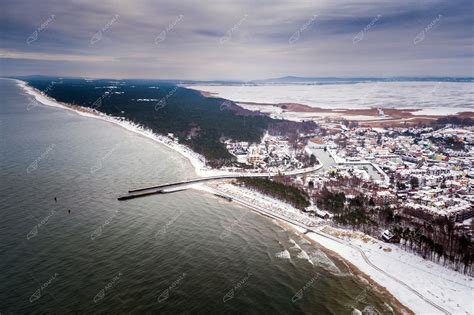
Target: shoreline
<point>380,289</point>
<point>199,167</point>
<point>196,160</point>
<point>276,219</point>
<point>285,222</point>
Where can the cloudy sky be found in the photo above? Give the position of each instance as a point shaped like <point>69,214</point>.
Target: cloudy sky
<point>244,40</point>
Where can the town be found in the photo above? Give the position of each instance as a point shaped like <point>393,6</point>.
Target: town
<point>407,185</point>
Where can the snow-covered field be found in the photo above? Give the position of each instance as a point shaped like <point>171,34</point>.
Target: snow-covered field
<point>432,97</point>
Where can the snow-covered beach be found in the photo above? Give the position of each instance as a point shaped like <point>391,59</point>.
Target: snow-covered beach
<point>422,286</point>
<point>196,160</point>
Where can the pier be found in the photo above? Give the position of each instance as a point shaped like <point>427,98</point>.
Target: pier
<point>143,194</point>
<point>165,188</point>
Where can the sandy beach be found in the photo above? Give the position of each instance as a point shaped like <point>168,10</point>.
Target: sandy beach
<point>413,284</point>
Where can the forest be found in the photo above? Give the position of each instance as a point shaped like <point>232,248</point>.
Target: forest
<point>288,193</point>
<point>437,239</point>
<point>197,121</point>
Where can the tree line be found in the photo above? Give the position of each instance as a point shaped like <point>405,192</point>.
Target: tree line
<point>438,239</point>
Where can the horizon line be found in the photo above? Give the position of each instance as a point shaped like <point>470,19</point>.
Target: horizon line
<point>237,80</point>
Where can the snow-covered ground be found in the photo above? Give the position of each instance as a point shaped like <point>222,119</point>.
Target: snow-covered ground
<point>446,288</point>
<point>432,97</point>
<point>265,202</point>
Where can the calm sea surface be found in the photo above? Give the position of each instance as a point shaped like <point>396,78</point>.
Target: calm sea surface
<point>184,253</point>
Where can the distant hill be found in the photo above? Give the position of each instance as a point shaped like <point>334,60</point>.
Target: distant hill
<point>332,80</point>
<point>280,80</point>
<point>326,80</point>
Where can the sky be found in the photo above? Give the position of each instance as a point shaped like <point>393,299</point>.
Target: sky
<point>237,40</point>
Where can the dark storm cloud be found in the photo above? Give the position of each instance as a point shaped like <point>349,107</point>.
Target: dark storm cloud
<point>236,40</point>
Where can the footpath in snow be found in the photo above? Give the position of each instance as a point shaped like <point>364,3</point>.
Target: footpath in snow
<point>395,269</point>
